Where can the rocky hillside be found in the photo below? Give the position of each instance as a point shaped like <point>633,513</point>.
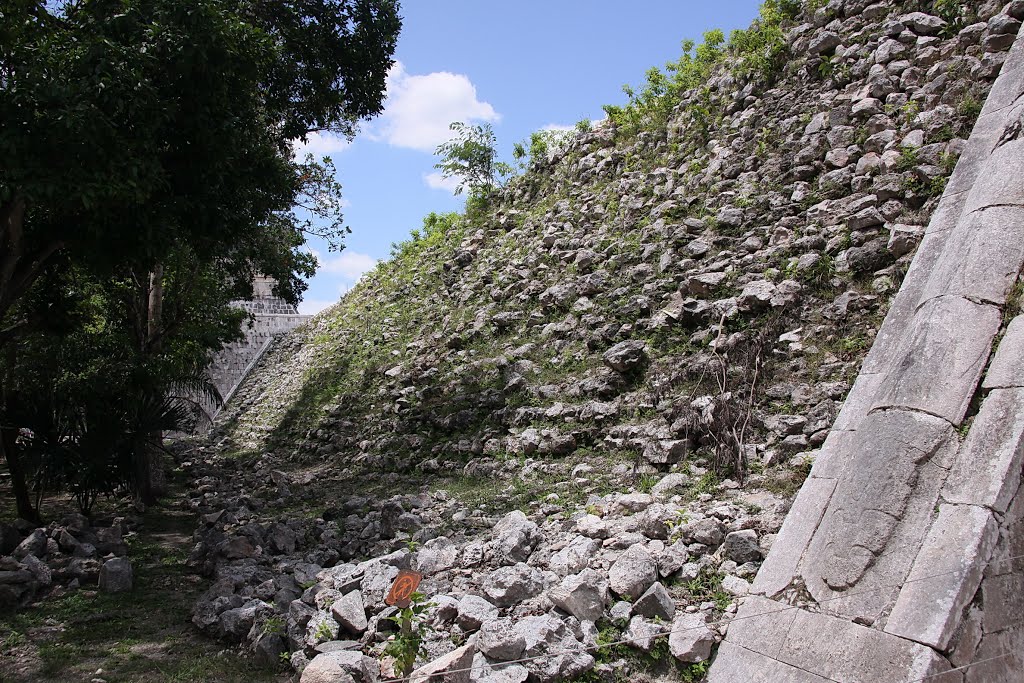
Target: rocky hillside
<point>638,343</point>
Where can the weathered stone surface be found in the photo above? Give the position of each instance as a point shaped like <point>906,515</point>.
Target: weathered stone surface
<point>691,639</point>
<point>736,664</point>
<point>987,471</point>
<point>1004,186</point>
<point>453,667</point>
<point>642,634</point>
<point>34,544</point>
<point>574,557</point>
<point>474,611</point>
<point>509,585</point>
<point>886,456</point>
<point>655,603</point>
<point>350,613</point>
<point>742,546</point>
<point>951,339</point>
<point>633,572</point>
<point>982,257</point>
<point>780,567</point>
<point>116,575</point>
<point>1007,367</point>
<point>626,356</point>
<point>582,595</point>
<point>945,575</point>
<point>499,639</point>
<point>546,635</point>
<point>327,667</point>
<point>485,671</point>
<point>835,649</point>
<point>515,538</point>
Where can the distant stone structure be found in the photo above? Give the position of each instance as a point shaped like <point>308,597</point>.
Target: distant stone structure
<point>271,316</point>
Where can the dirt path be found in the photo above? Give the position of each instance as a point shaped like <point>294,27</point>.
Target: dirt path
<point>144,635</point>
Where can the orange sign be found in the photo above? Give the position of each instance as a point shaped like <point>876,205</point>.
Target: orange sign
<point>402,589</point>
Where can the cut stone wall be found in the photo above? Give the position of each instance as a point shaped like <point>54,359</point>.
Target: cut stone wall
<point>900,559</point>
<point>271,317</point>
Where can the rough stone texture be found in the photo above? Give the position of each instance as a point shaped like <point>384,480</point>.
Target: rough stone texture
<point>499,639</point>
<point>327,667</point>
<point>350,613</point>
<point>453,667</point>
<point>546,635</point>
<point>945,576</point>
<point>656,602</point>
<point>633,572</point>
<point>939,347</point>
<point>690,640</point>
<point>833,648</point>
<point>1007,367</point>
<point>896,507</point>
<point>509,585</point>
<point>116,575</point>
<point>582,595</point>
<point>988,468</point>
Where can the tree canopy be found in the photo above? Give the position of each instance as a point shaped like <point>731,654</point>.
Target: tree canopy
<point>147,169</point>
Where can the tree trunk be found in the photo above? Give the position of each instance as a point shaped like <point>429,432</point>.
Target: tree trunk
<point>22,498</point>
<point>146,445</point>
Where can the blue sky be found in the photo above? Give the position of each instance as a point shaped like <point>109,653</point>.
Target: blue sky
<point>521,66</point>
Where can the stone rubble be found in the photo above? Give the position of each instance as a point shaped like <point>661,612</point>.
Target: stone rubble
<point>584,348</point>
<point>38,562</point>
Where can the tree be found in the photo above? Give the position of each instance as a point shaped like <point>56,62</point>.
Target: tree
<point>146,147</point>
<point>134,125</point>
<point>470,156</point>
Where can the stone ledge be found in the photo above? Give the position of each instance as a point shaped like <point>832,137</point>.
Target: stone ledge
<point>1007,367</point>
<point>950,341</point>
<point>987,470</point>
<point>945,576</point>
<point>779,570</point>
<point>817,645</point>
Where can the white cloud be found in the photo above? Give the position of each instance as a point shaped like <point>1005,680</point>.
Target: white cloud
<point>558,127</point>
<point>342,271</point>
<point>419,108</point>
<point>314,306</point>
<point>350,265</point>
<point>320,145</point>
<point>438,182</point>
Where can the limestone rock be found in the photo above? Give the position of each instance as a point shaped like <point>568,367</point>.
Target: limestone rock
<point>116,575</point>
<point>633,572</point>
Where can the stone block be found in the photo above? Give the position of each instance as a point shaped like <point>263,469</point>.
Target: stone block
<point>781,566</point>
<point>858,402</point>
<point>982,256</point>
<point>951,339</point>
<point>999,658</point>
<point>1003,601</point>
<point>1001,181</point>
<point>454,667</point>
<point>945,575</point>
<point>761,625</point>
<point>896,465</point>
<point>1010,84</point>
<point>735,664</point>
<point>1007,367</point>
<point>987,471</point>
<point>822,646</point>
<point>893,333</point>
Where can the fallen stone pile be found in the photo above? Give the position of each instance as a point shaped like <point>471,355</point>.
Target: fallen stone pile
<point>36,562</point>
<point>632,564</point>
<point>689,299</point>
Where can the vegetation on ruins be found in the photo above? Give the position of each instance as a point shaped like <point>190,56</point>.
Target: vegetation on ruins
<point>148,175</point>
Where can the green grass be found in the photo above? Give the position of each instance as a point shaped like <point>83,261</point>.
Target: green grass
<point>143,635</point>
